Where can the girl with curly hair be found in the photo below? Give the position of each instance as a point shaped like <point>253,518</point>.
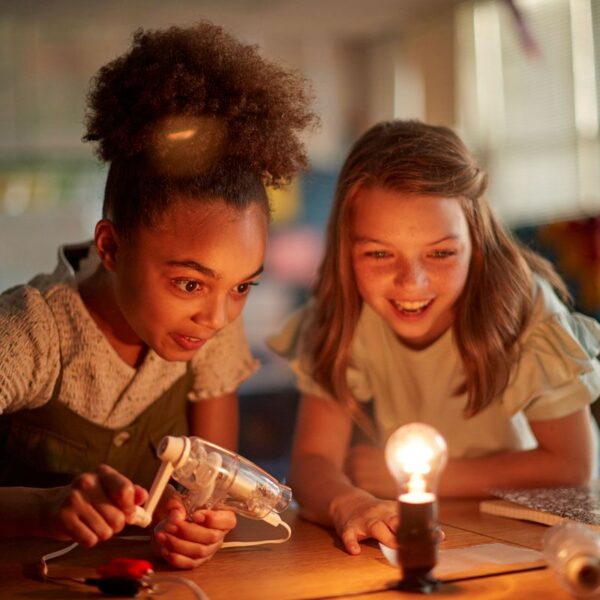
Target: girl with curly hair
<point>425,309</point>
<point>138,334</point>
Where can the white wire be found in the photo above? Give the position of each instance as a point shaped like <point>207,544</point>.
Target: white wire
<point>260,542</point>
<point>196,589</point>
<point>56,554</point>
<point>199,594</point>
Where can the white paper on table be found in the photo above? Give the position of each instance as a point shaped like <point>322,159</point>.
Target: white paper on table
<point>456,560</point>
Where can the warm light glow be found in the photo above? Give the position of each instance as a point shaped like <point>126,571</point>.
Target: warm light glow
<point>416,454</point>
<point>185,134</point>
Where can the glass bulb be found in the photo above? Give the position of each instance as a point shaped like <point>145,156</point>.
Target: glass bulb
<point>573,551</point>
<point>416,454</point>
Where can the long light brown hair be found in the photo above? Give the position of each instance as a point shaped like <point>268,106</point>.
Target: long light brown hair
<point>496,303</point>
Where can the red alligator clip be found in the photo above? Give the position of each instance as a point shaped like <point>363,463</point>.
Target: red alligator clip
<point>128,568</point>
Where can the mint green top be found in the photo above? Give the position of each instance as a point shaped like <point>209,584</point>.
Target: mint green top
<point>556,374</point>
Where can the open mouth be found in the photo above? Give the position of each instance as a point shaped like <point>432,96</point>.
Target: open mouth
<point>413,308</point>
<point>192,340</point>
<point>188,342</point>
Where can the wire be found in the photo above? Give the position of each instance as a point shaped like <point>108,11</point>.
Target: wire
<point>199,593</point>
<point>260,542</point>
<point>151,583</point>
<point>43,564</point>
<point>123,585</point>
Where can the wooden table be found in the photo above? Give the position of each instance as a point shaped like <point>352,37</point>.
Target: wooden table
<point>312,565</point>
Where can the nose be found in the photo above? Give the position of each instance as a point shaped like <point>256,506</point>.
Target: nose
<point>410,274</point>
<point>212,313</point>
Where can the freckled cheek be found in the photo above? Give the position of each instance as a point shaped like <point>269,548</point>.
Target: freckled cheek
<point>371,282</point>
<point>453,280</point>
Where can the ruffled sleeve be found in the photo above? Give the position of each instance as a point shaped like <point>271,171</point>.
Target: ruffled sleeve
<point>222,363</point>
<point>290,344</point>
<point>558,372</point>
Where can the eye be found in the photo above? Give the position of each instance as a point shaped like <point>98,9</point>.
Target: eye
<point>377,254</point>
<point>187,285</point>
<point>442,253</point>
<point>243,289</point>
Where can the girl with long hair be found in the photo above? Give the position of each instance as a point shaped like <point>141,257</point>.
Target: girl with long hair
<point>426,309</point>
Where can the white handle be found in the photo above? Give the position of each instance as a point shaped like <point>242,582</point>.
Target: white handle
<point>143,516</point>
<point>174,452</point>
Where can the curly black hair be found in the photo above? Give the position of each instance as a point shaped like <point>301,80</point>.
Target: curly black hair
<point>193,110</point>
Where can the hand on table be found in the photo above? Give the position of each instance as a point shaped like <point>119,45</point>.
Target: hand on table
<point>359,515</point>
<point>93,508</point>
<point>187,544</point>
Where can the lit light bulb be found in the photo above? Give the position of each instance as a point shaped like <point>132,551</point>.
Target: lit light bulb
<point>416,455</point>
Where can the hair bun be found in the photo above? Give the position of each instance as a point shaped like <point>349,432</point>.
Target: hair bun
<point>187,97</point>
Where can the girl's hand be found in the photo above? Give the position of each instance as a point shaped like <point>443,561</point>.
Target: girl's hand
<point>367,469</point>
<point>93,508</point>
<point>188,544</point>
<point>358,515</point>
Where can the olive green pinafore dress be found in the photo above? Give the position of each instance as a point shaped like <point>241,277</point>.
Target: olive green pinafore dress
<point>49,446</point>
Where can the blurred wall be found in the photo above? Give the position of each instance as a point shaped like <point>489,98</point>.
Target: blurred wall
<point>394,59</point>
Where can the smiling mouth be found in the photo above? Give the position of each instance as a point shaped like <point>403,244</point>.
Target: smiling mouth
<point>412,308</point>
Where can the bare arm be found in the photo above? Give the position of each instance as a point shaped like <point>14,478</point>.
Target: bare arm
<point>216,420</point>
<point>320,444</point>
<point>324,492</point>
<point>566,455</point>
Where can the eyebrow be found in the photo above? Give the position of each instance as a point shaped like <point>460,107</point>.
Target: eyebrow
<point>367,240</point>
<point>196,266</point>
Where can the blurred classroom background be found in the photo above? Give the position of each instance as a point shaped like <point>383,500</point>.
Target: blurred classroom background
<point>518,80</point>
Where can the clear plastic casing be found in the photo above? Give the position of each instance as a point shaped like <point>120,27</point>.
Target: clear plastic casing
<point>573,551</point>
<point>217,478</point>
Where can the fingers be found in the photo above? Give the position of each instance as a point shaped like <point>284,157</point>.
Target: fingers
<point>382,533</point>
<point>88,505</point>
<point>117,487</point>
<point>94,507</point>
<point>188,544</point>
<point>375,528</point>
<point>140,495</point>
<point>79,532</point>
<point>364,516</point>
<point>350,539</point>
<point>80,521</point>
<point>218,519</point>
<point>201,544</point>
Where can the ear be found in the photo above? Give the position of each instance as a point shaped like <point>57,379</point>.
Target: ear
<point>106,240</point>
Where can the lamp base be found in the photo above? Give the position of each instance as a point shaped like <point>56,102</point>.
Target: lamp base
<point>419,582</point>
<point>418,536</point>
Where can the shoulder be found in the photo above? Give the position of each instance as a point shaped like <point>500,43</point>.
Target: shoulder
<point>552,323</point>
<point>557,370</point>
<point>26,306</point>
<point>29,353</point>
<point>545,300</point>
